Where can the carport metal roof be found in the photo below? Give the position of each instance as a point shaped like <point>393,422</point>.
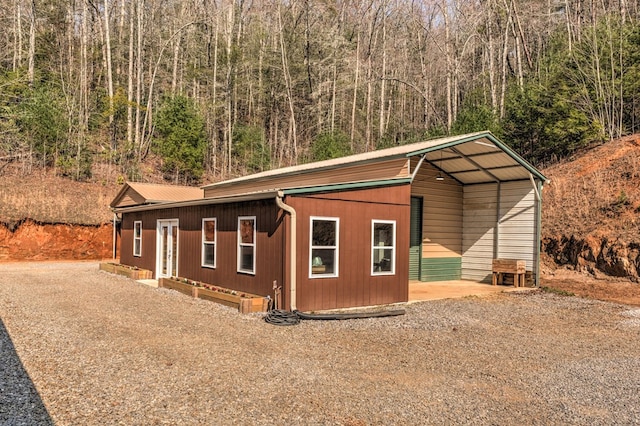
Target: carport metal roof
<point>470,159</point>
<point>476,158</point>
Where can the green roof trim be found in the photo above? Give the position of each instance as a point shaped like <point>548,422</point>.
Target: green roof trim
<point>346,186</point>
<point>487,135</point>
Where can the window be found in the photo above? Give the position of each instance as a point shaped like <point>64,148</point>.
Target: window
<point>383,250</point>
<point>209,242</point>
<point>323,261</point>
<point>247,244</point>
<point>137,238</point>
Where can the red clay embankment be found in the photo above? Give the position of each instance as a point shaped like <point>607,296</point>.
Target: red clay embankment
<point>32,240</point>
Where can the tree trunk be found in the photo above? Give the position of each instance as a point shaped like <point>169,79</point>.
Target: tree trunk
<point>32,43</point>
<point>383,86</point>
<point>174,74</point>
<point>567,12</point>
<point>215,95</point>
<point>17,48</point>
<point>120,45</point>
<point>449,62</point>
<point>492,61</point>
<point>523,40</point>
<point>130,76</point>
<point>107,39</point>
<point>139,67</point>
<point>287,80</point>
<point>505,58</point>
<point>355,92</point>
<point>229,89</point>
<point>83,104</point>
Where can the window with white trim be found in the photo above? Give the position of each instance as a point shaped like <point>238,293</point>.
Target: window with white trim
<point>137,238</point>
<point>209,231</point>
<point>383,250</point>
<point>324,238</point>
<point>247,244</point>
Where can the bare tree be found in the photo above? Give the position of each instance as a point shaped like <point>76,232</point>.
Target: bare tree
<point>32,42</point>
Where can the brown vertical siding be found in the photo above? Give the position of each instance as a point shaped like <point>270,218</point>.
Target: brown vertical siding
<point>148,258</point>
<point>387,169</point>
<point>269,244</point>
<point>355,286</point>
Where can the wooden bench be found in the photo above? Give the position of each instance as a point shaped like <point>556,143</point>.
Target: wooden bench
<point>518,268</point>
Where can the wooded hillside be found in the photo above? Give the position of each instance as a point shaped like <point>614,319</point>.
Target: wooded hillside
<point>217,88</point>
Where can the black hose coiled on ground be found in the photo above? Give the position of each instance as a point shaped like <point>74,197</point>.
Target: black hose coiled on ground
<point>280,317</point>
<point>350,315</point>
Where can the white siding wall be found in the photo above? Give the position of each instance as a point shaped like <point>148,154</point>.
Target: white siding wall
<point>442,213</point>
<point>516,232</point>
<point>478,224</point>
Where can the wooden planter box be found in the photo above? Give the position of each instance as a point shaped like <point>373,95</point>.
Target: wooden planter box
<point>127,271</point>
<point>182,287</point>
<point>245,304</point>
<point>253,304</point>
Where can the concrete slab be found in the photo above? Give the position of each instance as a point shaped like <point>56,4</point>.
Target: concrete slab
<point>419,291</point>
<point>150,283</point>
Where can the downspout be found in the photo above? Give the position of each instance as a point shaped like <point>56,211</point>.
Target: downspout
<point>115,218</point>
<point>292,247</point>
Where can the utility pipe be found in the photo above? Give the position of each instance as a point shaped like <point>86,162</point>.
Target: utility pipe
<point>415,171</point>
<point>535,188</point>
<point>292,246</point>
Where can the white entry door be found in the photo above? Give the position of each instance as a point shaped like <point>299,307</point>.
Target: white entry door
<point>167,248</point>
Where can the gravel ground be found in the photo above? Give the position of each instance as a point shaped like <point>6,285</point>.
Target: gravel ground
<point>80,346</point>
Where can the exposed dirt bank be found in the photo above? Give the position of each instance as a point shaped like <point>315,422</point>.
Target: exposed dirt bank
<point>596,256</point>
<point>31,240</point>
<point>590,212</point>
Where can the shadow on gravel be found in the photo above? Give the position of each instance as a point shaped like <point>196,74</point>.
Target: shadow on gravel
<point>20,403</point>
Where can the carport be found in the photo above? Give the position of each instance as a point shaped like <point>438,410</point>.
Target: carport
<point>473,200</point>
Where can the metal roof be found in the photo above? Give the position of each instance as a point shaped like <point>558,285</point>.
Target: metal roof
<point>135,193</point>
<point>254,196</point>
<point>469,159</point>
<point>472,158</point>
<point>477,158</point>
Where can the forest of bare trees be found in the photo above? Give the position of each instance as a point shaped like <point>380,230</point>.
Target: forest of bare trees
<point>218,88</point>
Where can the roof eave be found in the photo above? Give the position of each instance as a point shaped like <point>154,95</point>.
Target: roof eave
<point>201,201</point>
<point>346,186</point>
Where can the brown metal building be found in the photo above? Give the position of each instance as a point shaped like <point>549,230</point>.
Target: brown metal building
<point>351,231</point>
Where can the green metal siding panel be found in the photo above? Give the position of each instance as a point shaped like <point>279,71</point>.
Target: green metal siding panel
<point>414,263</point>
<point>441,269</point>
<point>415,238</point>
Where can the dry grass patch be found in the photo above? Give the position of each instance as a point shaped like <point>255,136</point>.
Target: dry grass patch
<point>596,193</point>
<point>45,198</point>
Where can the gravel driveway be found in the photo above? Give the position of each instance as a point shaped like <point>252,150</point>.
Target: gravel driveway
<point>83,347</point>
